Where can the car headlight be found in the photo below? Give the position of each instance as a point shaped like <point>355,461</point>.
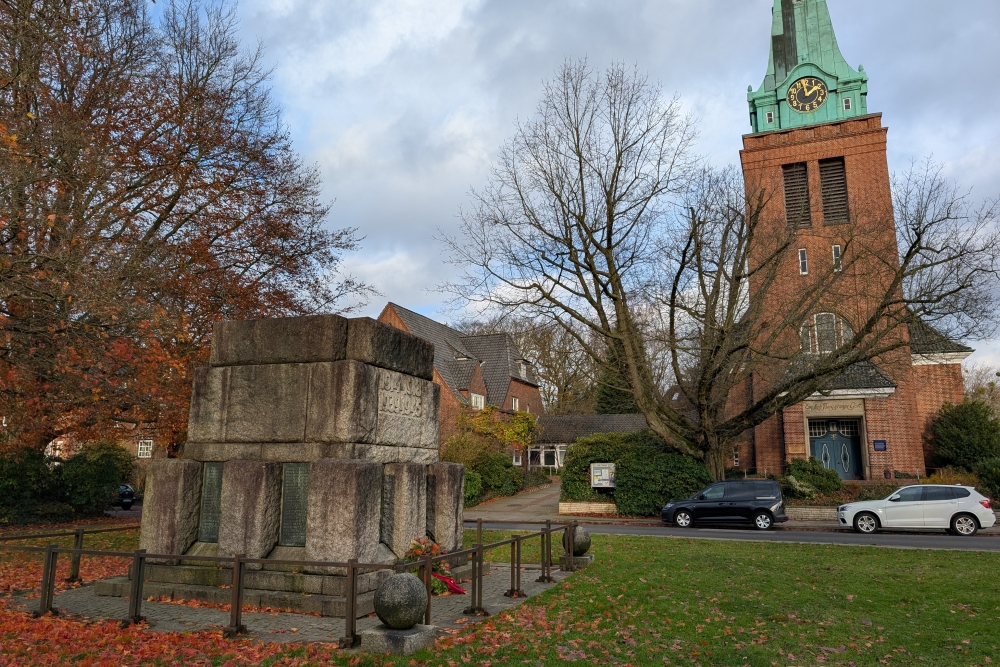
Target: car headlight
<point>843,508</point>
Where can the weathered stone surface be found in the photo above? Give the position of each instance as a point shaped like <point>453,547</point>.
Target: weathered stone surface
<point>581,543</point>
<point>572,563</point>
<point>381,640</point>
<point>171,506</point>
<point>251,509</point>
<point>445,502</point>
<point>343,402</point>
<point>400,601</point>
<point>282,340</point>
<point>407,411</point>
<point>404,505</point>
<point>207,416</point>
<point>381,345</point>
<point>284,452</point>
<point>267,403</point>
<point>344,517</point>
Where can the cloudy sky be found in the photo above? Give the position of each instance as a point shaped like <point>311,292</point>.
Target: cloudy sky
<point>404,103</point>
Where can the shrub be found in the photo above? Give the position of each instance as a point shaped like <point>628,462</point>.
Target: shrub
<point>645,484</point>
<point>500,477</point>
<point>473,487</point>
<point>792,487</point>
<point>26,483</point>
<point>90,477</point>
<point>952,476</point>
<point>965,434</point>
<point>812,473</point>
<point>989,477</point>
<point>647,473</point>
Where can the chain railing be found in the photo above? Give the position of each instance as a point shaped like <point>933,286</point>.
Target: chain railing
<point>425,565</point>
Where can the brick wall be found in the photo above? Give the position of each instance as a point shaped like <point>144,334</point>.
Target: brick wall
<point>529,398</point>
<point>937,384</point>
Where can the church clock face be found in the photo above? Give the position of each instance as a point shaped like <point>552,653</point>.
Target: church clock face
<point>807,94</point>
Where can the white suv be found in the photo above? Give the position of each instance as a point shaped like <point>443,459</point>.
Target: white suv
<point>961,510</point>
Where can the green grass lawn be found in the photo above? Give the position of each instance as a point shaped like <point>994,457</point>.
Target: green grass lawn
<point>663,601</point>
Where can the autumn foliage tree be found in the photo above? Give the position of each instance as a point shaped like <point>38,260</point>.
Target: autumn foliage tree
<point>147,189</point>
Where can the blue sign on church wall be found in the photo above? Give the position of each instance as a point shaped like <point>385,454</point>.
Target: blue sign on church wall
<point>881,445</point>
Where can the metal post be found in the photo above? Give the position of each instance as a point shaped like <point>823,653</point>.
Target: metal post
<point>546,546</point>
<point>428,576</point>
<point>512,591</point>
<point>350,638</point>
<point>517,590</point>
<point>479,589</point>
<point>47,595</point>
<point>471,609</point>
<point>479,531</point>
<point>571,548</point>
<point>135,592</point>
<point>74,568</point>
<point>236,626</point>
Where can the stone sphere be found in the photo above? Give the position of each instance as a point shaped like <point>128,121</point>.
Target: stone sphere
<point>581,542</point>
<point>400,602</point>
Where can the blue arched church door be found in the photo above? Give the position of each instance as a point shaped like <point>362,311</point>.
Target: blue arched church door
<point>836,443</point>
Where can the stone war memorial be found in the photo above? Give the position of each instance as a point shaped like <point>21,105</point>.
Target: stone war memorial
<point>309,438</point>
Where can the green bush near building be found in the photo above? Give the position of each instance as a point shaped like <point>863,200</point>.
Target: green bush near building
<point>806,478</point>
<point>965,435</point>
<point>647,473</point>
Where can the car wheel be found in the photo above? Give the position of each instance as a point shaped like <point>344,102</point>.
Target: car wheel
<point>126,506</point>
<point>763,521</point>
<point>683,519</point>
<point>866,523</point>
<point>964,525</point>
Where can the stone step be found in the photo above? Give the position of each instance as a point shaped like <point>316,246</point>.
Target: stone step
<point>324,605</point>
<point>269,580</point>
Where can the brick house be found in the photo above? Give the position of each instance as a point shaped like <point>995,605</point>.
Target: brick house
<point>821,153</point>
<point>473,371</point>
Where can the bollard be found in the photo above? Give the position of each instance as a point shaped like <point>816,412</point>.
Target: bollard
<point>47,596</point>
<point>74,568</point>
<point>236,626</point>
<point>351,638</point>
<point>135,593</point>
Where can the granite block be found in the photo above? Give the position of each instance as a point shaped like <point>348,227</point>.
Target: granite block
<point>281,340</point>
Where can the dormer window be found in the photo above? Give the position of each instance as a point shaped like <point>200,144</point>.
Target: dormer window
<point>478,401</point>
<point>523,369</point>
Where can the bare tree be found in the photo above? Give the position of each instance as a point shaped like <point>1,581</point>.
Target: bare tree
<point>982,383</point>
<point>599,218</point>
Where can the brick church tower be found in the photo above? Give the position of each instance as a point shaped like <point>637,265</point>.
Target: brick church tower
<point>819,152</point>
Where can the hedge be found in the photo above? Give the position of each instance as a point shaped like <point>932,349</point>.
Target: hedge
<point>34,488</point>
<point>647,473</point>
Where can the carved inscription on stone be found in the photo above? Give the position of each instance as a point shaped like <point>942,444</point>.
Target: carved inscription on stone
<point>294,504</point>
<point>401,395</point>
<point>211,502</point>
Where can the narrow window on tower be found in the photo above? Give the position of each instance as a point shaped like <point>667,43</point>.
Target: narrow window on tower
<point>838,265</point>
<point>797,210</point>
<point>833,186</point>
<point>803,262</point>
<point>770,117</point>
<point>847,104</point>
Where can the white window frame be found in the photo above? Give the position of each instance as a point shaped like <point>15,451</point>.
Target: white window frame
<point>144,449</point>
<point>803,262</point>
<point>838,257</point>
<point>478,401</point>
<point>516,456</point>
<point>848,104</point>
<point>515,404</point>
<point>769,117</point>
<point>736,457</point>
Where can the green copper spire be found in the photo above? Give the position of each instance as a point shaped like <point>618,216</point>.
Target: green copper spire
<point>808,81</point>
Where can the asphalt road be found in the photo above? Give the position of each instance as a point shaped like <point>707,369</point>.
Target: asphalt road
<point>893,540</point>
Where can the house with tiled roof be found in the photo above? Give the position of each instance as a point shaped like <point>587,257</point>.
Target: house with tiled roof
<point>473,371</point>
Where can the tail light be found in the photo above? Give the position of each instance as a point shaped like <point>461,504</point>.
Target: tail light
<point>986,504</point>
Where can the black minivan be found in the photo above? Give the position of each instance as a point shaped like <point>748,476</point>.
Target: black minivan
<point>756,501</point>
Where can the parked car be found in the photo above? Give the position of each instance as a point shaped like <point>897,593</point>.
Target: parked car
<point>755,501</point>
<point>960,510</point>
<point>124,497</point>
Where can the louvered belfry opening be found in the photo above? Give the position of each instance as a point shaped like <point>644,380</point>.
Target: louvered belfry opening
<point>833,185</point>
<point>797,210</point>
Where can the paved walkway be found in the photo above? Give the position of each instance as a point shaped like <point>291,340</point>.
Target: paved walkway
<point>446,611</point>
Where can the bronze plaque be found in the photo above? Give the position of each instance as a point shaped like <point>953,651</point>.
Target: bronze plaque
<point>211,502</point>
<point>294,501</point>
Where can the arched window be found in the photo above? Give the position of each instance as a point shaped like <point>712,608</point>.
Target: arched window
<point>824,332</point>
